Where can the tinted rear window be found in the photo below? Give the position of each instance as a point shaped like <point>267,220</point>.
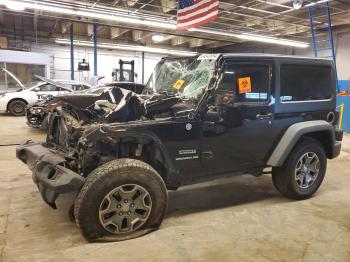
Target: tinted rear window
<point>306,82</point>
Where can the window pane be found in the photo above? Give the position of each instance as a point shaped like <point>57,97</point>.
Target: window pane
<point>24,72</point>
<point>249,83</point>
<point>49,88</point>
<point>305,82</point>
<point>78,87</point>
<point>126,76</point>
<point>67,85</point>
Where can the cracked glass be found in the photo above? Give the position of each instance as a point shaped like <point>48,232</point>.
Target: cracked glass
<point>185,77</point>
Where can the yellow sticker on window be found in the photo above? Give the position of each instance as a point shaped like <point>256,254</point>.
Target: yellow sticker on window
<point>178,84</point>
<point>244,85</point>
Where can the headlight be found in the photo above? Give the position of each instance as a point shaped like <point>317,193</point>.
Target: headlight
<point>2,95</point>
<point>36,110</point>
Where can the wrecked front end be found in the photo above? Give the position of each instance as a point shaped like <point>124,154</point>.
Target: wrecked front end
<point>52,162</point>
<point>73,150</point>
<point>35,116</point>
<point>49,171</point>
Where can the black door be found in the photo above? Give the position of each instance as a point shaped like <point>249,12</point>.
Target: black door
<point>238,127</point>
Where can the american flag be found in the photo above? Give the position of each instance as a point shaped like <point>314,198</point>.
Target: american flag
<point>194,13</point>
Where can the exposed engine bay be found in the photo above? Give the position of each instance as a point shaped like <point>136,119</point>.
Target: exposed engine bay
<point>114,104</point>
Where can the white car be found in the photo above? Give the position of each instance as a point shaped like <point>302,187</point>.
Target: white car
<point>16,102</point>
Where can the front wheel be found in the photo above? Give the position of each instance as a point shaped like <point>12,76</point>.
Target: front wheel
<point>120,200</point>
<point>303,172</point>
<point>17,107</point>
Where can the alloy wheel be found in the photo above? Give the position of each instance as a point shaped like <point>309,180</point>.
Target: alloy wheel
<point>18,108</point>
<point>307,170</point>
<point>125,209</point>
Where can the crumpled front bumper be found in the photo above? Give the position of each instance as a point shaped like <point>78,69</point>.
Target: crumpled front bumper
<point>49,173</point>
<point>35,119</point>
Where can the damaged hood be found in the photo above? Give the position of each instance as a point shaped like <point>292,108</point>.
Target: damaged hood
<point>114,104</point>
<point>105,104</point>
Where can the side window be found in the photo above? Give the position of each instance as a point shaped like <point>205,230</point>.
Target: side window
<point>248,83</point>
<point>67,85</point>
<point>77,87</point>
<point>49,88</point>
<point>305,82</point>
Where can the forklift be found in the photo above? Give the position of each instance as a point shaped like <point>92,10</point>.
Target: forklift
<point>124,75</point>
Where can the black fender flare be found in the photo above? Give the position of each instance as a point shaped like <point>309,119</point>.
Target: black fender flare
<point>292,136</point>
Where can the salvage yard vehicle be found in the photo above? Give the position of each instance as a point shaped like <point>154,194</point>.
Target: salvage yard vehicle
<point>38,114</point>
<point>15,102</point>
<point>199,118</point>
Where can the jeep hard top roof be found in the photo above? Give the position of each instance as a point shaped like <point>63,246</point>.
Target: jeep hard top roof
<point>272,56</point>
<point>267,56</point>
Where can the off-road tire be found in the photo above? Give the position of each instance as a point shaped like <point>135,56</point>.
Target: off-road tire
<point>14,107</point>
<point>284,177</point>
<point>108,177</point>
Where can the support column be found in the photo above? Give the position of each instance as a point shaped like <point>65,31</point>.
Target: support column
<point>71,52</point>
<point>143,67</point>
<point>95,49</point>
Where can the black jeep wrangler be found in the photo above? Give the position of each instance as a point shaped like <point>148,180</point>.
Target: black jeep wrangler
<point>198,118</point>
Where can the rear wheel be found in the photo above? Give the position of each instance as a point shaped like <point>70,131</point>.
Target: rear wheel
<point>120,200</point>
<point>17,107</point>
<point>303,172</point>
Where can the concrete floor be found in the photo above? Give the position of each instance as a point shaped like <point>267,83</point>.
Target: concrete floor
<point>238,219</point>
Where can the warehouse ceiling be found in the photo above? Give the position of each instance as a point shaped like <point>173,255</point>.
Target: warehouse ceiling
<point>274,18</point>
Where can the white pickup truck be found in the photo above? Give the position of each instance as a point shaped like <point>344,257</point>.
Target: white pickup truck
<point>15,102</point>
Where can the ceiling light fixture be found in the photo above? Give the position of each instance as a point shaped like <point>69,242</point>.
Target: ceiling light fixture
<point>297,4</point>
<point>14,6</point>
<point>158,38</point>
<point>94,13</point>
<point>142,21</point>
<point>273,40</point>
<point>264,39</point>
<point>146,49</point>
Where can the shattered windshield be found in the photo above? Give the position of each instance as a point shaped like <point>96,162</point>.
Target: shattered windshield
<point>186,77</point>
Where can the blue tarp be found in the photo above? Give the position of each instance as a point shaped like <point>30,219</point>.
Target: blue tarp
<point>345,85</point>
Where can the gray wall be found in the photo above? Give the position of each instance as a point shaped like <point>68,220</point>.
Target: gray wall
<point>106,61</point>
<point>342,50</point>
<point>343,57</point>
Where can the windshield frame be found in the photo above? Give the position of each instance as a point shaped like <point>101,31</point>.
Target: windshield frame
<point>212,86</point>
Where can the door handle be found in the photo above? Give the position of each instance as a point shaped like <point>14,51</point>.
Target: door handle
<point>207,154</point>
<point>264,116</point>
